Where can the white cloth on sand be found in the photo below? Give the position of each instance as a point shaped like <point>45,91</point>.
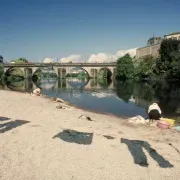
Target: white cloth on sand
<point>137,120</point>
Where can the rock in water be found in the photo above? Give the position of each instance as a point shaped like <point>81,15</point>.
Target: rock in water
<point>59,100</point>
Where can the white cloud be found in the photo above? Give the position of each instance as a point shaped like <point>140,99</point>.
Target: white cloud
<point>72,58</point>
<point>132,52</point>
<point>100,57</point>
<point>48,60</point>
<point>105,57</point>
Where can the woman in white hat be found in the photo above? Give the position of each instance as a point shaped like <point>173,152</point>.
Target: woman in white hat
<point>154,112</point>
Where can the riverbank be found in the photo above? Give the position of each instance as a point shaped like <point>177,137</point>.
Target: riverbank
<point>34,147</point>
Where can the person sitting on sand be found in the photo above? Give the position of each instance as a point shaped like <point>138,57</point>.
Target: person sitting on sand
<point>154,112</point>
<point>37,91</point>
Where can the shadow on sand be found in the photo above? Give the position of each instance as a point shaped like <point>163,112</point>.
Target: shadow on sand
<point>4,118</point>
<point>135,148</point>
<point>73,136</point>
<point>11,125</point>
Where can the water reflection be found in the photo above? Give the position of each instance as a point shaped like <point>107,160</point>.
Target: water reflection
<point>48,83</point>
<point>114,97</point>
<point>76,83</point>
<point>124,90</point>
<point>18,85</point>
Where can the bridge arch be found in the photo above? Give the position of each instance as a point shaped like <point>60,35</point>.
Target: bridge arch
<point>18,71</point>
<point>107,74</point>
<point>86,70</point>
<point>36,72</point>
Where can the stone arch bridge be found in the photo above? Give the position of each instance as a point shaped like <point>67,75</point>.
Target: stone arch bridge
<point>62,69</point>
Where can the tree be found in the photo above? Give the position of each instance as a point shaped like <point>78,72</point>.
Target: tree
<point>168,48</point>
<point>145,67</point>
<point>1,70</point>
<point>21,60</point>
<point>168,64</point>
<point>125,68</point>
<point>1,59</point>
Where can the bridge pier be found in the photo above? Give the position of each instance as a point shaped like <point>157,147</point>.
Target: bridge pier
<point>61,72</point>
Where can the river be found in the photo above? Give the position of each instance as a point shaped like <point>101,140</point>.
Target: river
<point>124,99</point>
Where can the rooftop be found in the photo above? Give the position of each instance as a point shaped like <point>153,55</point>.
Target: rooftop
<point>174,33</point>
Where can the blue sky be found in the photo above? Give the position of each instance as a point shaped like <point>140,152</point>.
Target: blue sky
<point>36,29</point>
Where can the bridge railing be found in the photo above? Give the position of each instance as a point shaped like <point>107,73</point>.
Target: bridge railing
<point>57,64</point>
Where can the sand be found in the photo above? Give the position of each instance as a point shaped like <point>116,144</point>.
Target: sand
<point>33,148</point>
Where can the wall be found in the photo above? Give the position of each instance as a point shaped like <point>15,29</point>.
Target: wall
<point>148,50</point>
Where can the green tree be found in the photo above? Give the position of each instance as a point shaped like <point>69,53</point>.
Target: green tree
<point>21,60</point>
<point>145,67</point>
<point>125,68</point>
<point>168,63</point>
<point>1,59</point>
<point>1,70</point>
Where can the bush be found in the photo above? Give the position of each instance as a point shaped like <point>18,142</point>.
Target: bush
<point>168,65</point>
<point>125,68</point>
<point>145,67</point>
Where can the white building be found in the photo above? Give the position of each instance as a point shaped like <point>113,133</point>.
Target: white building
<point>175,36</point>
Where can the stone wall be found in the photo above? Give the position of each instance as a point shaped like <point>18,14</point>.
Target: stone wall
<point>148,50</point>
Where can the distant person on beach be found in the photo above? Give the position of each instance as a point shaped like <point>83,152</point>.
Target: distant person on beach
<point>154,112</point>
<point>37,91</point>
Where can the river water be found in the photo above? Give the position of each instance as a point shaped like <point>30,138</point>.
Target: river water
<point>124,99</point>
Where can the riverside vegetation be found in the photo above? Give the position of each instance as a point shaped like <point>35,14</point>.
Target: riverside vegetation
<point>166,66</point>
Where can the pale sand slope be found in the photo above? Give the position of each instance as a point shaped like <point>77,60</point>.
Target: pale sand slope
<point>29,151</point>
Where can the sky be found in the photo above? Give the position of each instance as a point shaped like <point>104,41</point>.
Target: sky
<point>39,29</point>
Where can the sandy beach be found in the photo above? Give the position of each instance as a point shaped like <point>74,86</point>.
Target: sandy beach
<point>41,142</point>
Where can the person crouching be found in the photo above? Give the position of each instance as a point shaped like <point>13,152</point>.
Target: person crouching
<point>154,112</point>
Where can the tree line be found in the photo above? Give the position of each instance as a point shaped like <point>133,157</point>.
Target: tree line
<point>166,66</point>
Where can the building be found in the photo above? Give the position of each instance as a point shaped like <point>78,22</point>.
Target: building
<point>174,36</point>
<point>153,45</point>
<point>152,48</point>
<point>154,40</point>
